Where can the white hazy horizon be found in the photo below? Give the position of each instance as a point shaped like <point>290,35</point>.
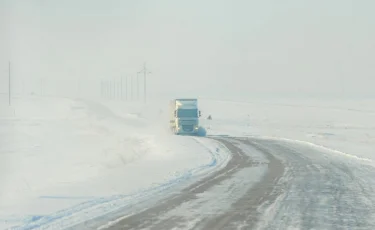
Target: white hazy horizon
<point>228,49</point>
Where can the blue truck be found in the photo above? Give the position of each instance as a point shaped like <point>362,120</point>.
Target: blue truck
<point>185,116</point>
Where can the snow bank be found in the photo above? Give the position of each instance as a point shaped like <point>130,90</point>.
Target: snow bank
<point>65,161</point>
<point>346,126</point>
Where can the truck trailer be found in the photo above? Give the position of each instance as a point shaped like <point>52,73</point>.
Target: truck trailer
<point>184,116</point>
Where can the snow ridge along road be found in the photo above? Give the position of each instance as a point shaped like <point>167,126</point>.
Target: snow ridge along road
<point>106,208</point>
<point>269,184</point>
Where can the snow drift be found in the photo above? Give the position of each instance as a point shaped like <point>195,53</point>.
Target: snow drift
<point>61,159</point>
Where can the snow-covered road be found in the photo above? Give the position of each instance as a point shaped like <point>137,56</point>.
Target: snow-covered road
<point>270,184</point>
<point>320,189</point>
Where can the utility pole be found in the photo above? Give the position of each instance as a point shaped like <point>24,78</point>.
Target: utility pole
<point>145,72</point>
<point>10,85</point>
<point>41,87</point>
<point>121,86</point>
<point>113,90</point>
<point>126,88</point>
<point>131,87</point>
<point>119,89</point>
<point>138,86</point>
<point>108,89</point>
<point>104,89</point>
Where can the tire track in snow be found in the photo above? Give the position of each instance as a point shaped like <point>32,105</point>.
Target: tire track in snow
<point>244,211</point>
<point>150,218</point>
<point>305,187</point>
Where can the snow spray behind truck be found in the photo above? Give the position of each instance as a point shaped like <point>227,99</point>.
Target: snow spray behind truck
<point>184,116</point>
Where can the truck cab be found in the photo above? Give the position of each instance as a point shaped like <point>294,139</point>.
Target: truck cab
<point>184,116</point>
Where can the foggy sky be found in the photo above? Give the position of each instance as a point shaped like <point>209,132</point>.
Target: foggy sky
<point>193,48</point>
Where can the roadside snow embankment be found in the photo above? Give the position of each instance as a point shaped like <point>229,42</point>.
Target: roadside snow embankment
<point>343,125</point>
<point>66,161</point>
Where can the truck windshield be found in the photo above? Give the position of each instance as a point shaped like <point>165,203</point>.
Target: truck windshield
<point>187,113</point>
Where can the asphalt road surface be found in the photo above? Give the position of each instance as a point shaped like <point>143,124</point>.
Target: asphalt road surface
<point>269,184</point>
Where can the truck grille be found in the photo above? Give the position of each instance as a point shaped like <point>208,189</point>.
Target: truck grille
<point>187,122</point>
<point>188,128</point>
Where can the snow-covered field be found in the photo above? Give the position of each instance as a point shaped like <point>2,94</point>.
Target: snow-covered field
<point>65,161</point>
<point>343,125</point>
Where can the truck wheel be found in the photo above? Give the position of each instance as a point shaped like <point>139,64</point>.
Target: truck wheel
<point>201,132</point>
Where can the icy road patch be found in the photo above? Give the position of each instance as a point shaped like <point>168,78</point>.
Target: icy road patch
<point>64,161</point>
